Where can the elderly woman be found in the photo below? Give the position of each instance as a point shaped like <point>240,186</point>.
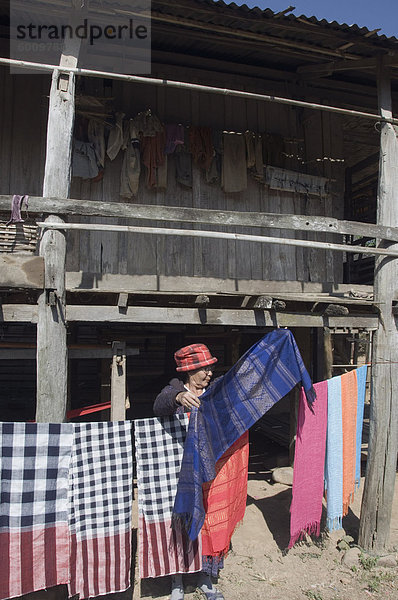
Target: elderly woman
<point>194,362</point>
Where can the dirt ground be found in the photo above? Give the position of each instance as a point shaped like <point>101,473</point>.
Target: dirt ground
<point>258,566</point>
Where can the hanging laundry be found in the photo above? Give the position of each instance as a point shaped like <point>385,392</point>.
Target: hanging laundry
<point>84,160</point>
<point>163,550</point>
<point>183,162</point>
<point>100,500</point>
<point>213,173</point>
<point>346,395</point>
<point>201,146</point>
<point>234,170</point>
<point>292,181</point>
<point>154,158</point>
<point>273,149</point>
<point>334,456</point>
<point>224,500</point>
<point>174,137</point>
<point>361,387</point>
<point>115,139</point>
<point>309,465</point>
<point>147,124</point>
<point>266,373</point>
<point>16,206</point>
<point>254,154</point>
<point>131,166</point>
<point>250,152</point>
<point>349,399</point>
<point>96,136</point>
<point>34,544</point>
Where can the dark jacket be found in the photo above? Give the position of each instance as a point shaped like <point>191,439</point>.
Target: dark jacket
<point>165,402</point>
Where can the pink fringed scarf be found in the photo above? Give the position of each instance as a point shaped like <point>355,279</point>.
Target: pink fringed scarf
<point>309,462</point>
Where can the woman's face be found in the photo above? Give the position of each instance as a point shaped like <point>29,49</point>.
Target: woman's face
<point>200,377</point>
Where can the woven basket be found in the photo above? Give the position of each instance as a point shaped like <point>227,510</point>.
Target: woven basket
<point>18,237</point>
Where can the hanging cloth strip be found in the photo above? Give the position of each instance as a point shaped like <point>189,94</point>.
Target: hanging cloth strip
<point>266,373</point>
<point>234,169</point>
<point>163,550</point>
<point>16,205</point>
<point>224,499</point>
<point>346,396</point>
<point>361,386</point>
<point>100,507</point>
<point>34,544</point>
<point>309,466</point>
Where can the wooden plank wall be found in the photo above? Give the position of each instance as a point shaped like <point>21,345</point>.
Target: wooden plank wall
<point>98,253</point>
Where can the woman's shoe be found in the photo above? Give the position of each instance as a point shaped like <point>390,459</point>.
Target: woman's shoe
<point>205,585</point>
<point>177,588</point>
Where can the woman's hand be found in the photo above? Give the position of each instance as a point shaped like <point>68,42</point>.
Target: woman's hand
<point>188,400</point>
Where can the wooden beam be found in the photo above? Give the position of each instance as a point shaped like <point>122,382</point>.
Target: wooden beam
<point>15,353</point>
<point>72,207</point>
<point>383,432</point>
<point>248,36</point>
<point>21,271</point>
<point>118,382</point>
<point>343,65</point>
<point>264,239</point>
<point>52,353</point>
<point>146,314</point>
<point>182,85</point>
<point>286,24</point>
<point>27,313</point>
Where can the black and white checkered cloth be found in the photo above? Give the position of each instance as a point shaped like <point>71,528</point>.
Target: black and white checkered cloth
<point>34,460</point>
<point>159,446</point>
<point>101,480</point>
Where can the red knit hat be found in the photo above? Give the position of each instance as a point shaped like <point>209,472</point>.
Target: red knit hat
<point>193,357</point>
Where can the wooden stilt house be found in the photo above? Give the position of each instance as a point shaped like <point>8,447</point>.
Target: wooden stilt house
<point>98,289</point>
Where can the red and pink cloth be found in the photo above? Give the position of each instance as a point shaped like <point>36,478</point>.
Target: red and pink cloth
<point>328,453</point>
<point>65,510</point>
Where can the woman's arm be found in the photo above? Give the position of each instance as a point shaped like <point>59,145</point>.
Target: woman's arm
<point>165,402</point>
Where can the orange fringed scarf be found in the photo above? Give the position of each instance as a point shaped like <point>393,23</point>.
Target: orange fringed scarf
<point>224,498</point>
<point>349,393</point>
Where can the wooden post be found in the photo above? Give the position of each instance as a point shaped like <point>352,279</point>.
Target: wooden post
<point>52,364</point>
<point>383,435</point>
<point>51,332</point>
<point>327,353</point>
<point>118,381</point>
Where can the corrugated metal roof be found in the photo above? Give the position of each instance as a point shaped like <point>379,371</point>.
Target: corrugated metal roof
<point>268,13</point>
<point>261,37</point>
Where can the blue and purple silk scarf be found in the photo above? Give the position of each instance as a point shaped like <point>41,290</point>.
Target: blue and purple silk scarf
<point>261,377</point>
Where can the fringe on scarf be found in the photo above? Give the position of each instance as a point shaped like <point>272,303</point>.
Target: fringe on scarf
<point>334,523</point>
<point>313,528</point>
<point>182,521</point>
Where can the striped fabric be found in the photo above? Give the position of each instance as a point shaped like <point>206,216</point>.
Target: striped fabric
<point>266,373</point>
<point>100,508</point>
<point>34,546</point>
<point>163,550</point>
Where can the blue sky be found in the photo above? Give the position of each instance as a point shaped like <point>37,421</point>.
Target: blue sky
<point>365,13</point>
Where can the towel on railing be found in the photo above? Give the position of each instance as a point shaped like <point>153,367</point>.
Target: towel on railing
<point>266,373</point>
